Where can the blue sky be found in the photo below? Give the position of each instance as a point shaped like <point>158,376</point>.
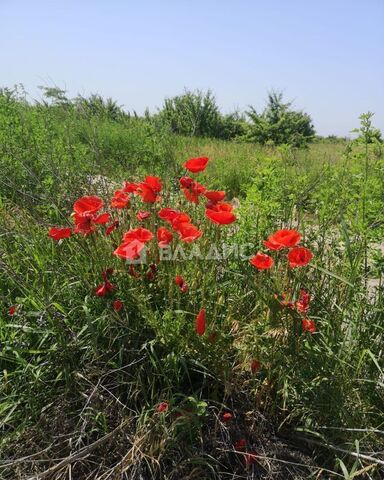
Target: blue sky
<point>327,56</point>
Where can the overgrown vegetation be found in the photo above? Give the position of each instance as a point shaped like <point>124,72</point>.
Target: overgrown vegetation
<point>94,389</point>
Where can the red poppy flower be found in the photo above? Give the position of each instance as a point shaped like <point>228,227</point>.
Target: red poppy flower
<point>117,305</point>
<point>58,233</point>
<point>141,215</point>
<point>102,219</point>
<point>162,407</point>
<point>112,227</point>
<point>283,238</point>
<point>272,245</point>
<point>193,192</point>
<point>181,283</point>
<point>302,305</point>
<point>180,218</point>
<point>154,183</point>
<point>120,199</point>
<point>220,213</point>
<point>88,205</point>
<point>168,214</point>
<point>196,165</point>
<point>12,310</point>
<point>299,257</point>
<point>255,366</point>
<point>308,325</point>
<point>200,323</point>
<point>215,196</point>
<point>164,237</point>
<point>186,182</point>
<point>262,261</point>
<point>149,189</point>
<point>240,444</point>
<point>142,234</point>
<point>129,250</point>
<point>129,187</point>
<point>103,289</point>
<point>84,224</point>
<point>227,416</point>
<point>188,232</point>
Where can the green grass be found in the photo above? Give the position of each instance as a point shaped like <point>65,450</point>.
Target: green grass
<point>72,366</point>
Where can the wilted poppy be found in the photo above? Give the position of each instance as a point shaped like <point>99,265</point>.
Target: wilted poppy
<point>181,283</point>
<point>162,407</point>
<point>213,337</point>
<point>88,205</point>
<point>200,323</point>
<point>196,165</point>
<point>164,237</point>
<point>262,261</point>
<point>308,325</point>
<point>117,305</point>
<point>255,366</point>
<point>132,272</point>
<point>299,257</point>
<point>240,444</point>
<point>103,289</point>
<point>227,416</point>
<point>283,238</point>
<point>12,310</point>
<point>58,233</point>
<point>112,227</point>
<point>302,305</point>
<point>141,215</point>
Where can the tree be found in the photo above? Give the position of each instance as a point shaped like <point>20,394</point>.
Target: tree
<point>279,124</point>
<point>192,114</point>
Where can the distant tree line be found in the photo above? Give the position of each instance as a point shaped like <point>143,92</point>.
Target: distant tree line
<point>196,114</point>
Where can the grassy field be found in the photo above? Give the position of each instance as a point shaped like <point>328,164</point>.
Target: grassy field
<point>284,379</point>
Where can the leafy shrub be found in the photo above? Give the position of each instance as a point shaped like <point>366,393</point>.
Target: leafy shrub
<point>278,124</point>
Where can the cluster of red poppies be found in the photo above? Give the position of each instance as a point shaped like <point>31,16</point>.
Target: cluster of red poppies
<point>302,307</point>
<point>283,239</point>
<point>87,214</point>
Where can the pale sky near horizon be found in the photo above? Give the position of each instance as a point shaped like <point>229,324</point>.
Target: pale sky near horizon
<point>327,56</point>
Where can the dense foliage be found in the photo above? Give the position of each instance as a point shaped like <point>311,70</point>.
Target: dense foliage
<point>278,124</point>
<point>194,365</point>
